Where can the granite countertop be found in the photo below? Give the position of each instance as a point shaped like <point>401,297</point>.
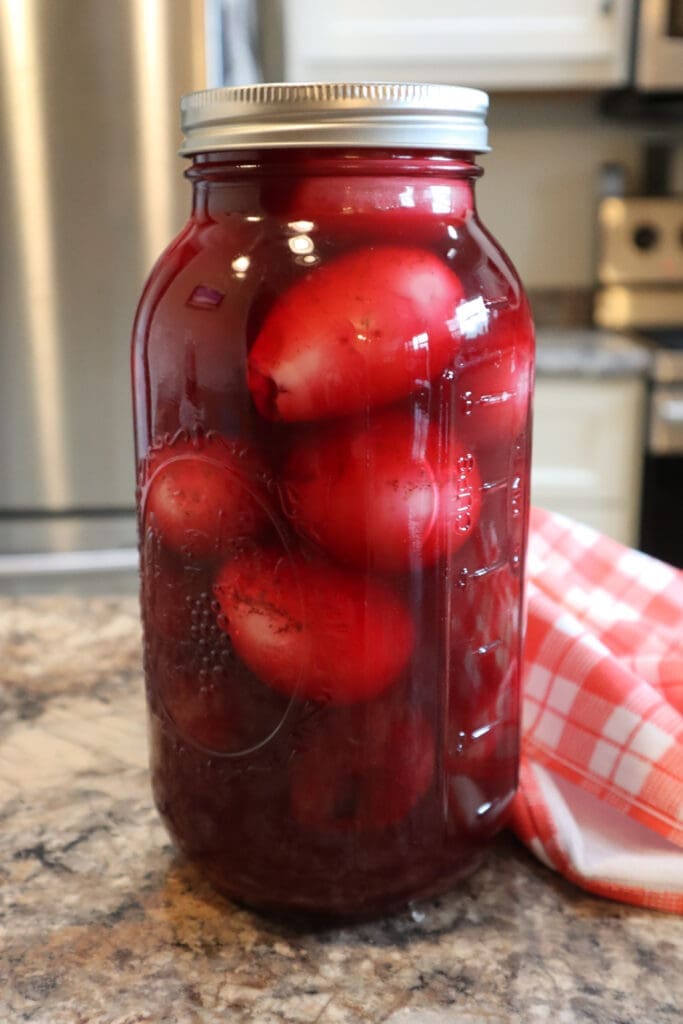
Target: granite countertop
<point>589,352</point>
<point>101,924</point>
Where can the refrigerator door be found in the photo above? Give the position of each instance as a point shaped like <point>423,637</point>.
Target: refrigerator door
<point>92,192</point>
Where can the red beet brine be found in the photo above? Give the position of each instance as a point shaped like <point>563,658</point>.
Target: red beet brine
<point>332,366</point>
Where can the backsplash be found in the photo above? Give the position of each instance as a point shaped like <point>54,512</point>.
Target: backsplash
<point>539,188</point>
<point>561,307</point>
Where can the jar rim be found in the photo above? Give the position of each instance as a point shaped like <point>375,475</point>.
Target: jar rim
<point>275,115</point>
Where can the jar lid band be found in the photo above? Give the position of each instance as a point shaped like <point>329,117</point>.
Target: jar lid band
<point>414,115</point>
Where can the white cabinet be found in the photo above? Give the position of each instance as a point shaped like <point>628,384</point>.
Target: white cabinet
<point>588,451</point>
<point>492,43</point>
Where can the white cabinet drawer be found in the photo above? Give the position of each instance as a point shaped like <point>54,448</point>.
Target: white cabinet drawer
<point>494,43</point>
<point>587,455</point>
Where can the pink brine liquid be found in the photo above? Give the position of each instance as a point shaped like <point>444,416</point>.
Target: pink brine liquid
<point>332,368</point>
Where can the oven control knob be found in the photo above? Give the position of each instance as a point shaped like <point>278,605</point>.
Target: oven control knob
<point>645,237</point>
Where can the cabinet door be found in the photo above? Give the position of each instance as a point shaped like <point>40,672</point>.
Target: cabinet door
<point>494,43</point>
<point>588,451</point>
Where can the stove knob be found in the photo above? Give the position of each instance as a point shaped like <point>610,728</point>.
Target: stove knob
<point>645,237</point>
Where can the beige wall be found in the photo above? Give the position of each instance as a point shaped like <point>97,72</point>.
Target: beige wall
<point>538,192</point>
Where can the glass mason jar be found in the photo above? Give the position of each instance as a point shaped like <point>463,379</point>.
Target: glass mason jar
<point>332,367</point>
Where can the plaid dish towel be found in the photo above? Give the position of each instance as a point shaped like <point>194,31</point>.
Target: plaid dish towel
<point>601,779</point>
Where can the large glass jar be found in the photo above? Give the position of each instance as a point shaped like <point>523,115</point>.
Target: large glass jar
<point>332,367</point>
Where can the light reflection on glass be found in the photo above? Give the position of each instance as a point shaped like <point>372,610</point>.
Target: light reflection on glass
<point>419,341</point>
<point>472,318</point>
<point>301,226</point>
<point>205,297</point>
<point>240,264</point>
<point>301,245</point>
<point>441,198</point>
<point>407,197</point>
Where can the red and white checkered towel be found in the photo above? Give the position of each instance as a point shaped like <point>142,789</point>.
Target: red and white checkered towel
<point>601,784</point>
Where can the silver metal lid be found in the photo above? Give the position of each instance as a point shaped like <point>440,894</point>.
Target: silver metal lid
<point>270,116</point>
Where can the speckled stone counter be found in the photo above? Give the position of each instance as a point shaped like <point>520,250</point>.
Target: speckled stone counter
<point>101,924</point>
<point>588,352</point>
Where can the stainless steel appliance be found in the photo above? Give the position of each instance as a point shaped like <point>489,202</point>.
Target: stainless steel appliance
<point>658,46</point>
<point>640,270</point>
<point>88,98</point>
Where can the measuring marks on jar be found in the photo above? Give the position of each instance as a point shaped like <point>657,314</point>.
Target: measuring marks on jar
<point>480,716</point>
